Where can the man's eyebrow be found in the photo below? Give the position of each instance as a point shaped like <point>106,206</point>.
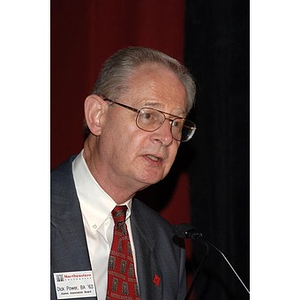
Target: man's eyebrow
<point>153,104</point>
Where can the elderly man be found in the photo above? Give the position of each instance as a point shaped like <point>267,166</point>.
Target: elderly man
<point>105,244</point>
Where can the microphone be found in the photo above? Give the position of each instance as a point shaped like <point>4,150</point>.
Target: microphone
<point>186,231</point>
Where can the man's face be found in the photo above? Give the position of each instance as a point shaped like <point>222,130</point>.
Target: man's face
<point>130,156</point>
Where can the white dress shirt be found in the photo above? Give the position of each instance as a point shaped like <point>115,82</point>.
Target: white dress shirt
<point>96,207</point>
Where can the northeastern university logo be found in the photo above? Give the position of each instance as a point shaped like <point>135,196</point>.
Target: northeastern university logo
<point>60,278</point>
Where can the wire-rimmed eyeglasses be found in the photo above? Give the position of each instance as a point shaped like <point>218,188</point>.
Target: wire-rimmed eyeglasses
<point>150,119</point>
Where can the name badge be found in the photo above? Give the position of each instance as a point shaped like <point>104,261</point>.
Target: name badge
<point>74,285</point>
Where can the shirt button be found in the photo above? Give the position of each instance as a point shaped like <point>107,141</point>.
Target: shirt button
<point>95,226</point>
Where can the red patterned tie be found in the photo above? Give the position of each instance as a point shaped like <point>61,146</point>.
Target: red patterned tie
<point>122,282</point>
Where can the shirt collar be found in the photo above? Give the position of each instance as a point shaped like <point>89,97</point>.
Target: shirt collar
<point>95,203</point>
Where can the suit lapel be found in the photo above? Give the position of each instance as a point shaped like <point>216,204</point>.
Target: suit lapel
<point>69,235</point>
<point>67,225</point>
<point>68,246</point>
<point>149,273</point>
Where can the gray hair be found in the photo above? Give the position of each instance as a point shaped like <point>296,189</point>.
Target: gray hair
<point>113,78</point>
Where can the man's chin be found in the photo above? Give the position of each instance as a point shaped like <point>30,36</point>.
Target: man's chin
<point>149,181</point>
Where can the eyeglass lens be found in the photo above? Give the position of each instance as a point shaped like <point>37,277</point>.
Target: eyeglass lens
<point>150,120</point>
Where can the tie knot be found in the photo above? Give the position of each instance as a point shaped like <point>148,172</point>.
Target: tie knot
<point>119,214</point>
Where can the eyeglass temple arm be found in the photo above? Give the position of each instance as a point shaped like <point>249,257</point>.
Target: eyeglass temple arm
<point>123,105</point>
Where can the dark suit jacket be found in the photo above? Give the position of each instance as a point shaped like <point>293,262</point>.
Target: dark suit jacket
<point>157,251</point>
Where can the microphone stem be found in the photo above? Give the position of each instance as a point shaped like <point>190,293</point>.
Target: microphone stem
<point>197,271</point>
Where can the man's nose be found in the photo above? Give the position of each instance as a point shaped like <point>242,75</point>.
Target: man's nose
<point>163,134</point>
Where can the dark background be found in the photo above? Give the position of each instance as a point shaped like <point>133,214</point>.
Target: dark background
<point>217,52</point>
<point>209,183</point>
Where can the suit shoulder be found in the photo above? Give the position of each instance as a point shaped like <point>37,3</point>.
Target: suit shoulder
<point>64,200</point>
<point>63,169</point>
<point>62,178</point>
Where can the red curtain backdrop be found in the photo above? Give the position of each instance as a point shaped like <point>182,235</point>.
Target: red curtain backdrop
<point>83,34</point>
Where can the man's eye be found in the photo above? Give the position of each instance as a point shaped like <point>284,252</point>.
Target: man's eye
<point>178,124</point>
<point>147,116</point>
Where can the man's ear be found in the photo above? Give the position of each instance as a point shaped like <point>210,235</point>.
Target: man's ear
<point>95,111</point>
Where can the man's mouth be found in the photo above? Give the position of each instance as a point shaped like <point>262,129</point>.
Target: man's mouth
<point>152,157</point>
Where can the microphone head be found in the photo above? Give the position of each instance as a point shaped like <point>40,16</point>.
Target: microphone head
<point>186,231</point>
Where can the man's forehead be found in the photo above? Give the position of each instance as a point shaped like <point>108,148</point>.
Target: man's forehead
<point>155,85</point>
